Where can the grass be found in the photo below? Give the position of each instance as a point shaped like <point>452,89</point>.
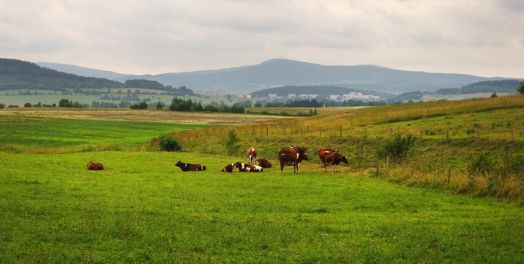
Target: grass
<point>36,134</point>
<point>143,209</point>
<point>150,115</point>
<point>449,135</point>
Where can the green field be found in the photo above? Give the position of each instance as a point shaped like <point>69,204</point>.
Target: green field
<point>30,134</point>
<point>142,208</point>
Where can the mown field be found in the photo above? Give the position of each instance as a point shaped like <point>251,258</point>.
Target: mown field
<point>142,208</point>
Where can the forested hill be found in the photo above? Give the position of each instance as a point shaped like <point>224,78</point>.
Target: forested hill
<point>17,74</point>
<point>499,86</point>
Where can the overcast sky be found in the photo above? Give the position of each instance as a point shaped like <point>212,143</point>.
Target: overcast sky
<point>483,37</point>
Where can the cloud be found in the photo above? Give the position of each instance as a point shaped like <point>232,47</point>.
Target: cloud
<point>137,36</point>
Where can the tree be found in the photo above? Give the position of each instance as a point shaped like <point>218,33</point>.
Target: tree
<point>231,143</point>
<point>65,103</point>
<point>521,88</point>
<point>494,95</point>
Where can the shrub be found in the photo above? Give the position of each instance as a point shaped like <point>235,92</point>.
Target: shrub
<point>231,143</point>
<point>2,106</point>
<point>398,147</point>
<point>169,143</point>
<point>516,164</point>
<point>482,165</point>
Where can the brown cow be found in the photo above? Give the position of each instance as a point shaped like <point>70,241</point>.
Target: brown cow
<point>228,168</point>
<point>95,166</point>
<point>190,167</point>
<point>334,159</point>
<point>323,153</point>
<point>248,167</point>
<point>251,154</point>
<point>292,155</point>
<point>264,163</point>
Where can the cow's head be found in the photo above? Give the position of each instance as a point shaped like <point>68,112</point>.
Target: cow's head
<point>179,163</point>
<point>304,156</point>
<point>345,159</point>
<point>237,165</point>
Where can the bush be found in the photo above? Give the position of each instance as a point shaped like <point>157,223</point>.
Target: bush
<point>2,106</point>
<point>231,143</point>
<point>398,147</point>
<point>483,165</point>
<point>169,143</point>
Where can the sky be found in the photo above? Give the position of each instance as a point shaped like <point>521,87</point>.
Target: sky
<point>481,37</point>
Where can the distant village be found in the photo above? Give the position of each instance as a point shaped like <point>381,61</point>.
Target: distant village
<point>333,97</point>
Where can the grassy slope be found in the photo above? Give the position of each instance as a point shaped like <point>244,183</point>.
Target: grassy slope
<point>142,208</point>
<point>41,134</point>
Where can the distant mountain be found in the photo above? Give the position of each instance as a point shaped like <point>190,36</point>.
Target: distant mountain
<point>17,74</point>
<point>321,91</point>
<point>84,71</point>
<point>281,72</point>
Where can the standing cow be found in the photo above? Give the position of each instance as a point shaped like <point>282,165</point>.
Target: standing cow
<point>251,154</point>
<point>323,153</point>
<point>334,159</point>
<point>292,155</point>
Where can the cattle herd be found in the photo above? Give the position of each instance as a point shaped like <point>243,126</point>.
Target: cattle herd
<point>287,156</point>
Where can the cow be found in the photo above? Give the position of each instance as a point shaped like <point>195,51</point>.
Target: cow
<point>190,167</point>
<point>323,153</point>
<point>95,166</point>
<point>264,163</point>
<point>334,159</point>
<point>251,154</point>
<point>248,167</point>
<point>228,168</point>
<point>292,155</point>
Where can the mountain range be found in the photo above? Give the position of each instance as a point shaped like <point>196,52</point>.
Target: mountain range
<point>283,72</point>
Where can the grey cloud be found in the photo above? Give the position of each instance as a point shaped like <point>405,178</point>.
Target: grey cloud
<point>159,35</point>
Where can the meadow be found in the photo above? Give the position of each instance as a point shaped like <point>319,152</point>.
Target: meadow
<point>142,208</point>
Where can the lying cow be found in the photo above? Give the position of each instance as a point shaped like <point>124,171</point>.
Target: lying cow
<point>251,154</point>
<point>292,156</point>
<point>334,159</point>
<point>264,163</point>
<point>95,166</point>
<point>190,167</point>
<point>248,167</point>
<point>228,168</point>
<point>323,153</point>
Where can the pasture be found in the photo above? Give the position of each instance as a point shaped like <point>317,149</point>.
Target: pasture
<point>142,208</point>
<point>161,116</point>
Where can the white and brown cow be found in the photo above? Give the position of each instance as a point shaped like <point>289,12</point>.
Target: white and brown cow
<point>251,154</point>
<point>334,159</point>
<point>248,167</point>
<point>292,156</point>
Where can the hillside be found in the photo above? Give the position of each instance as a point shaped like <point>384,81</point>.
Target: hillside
<point>498,86</point>
<point>282,72</point>
<point>83,71</point>
<point>17,74</point>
